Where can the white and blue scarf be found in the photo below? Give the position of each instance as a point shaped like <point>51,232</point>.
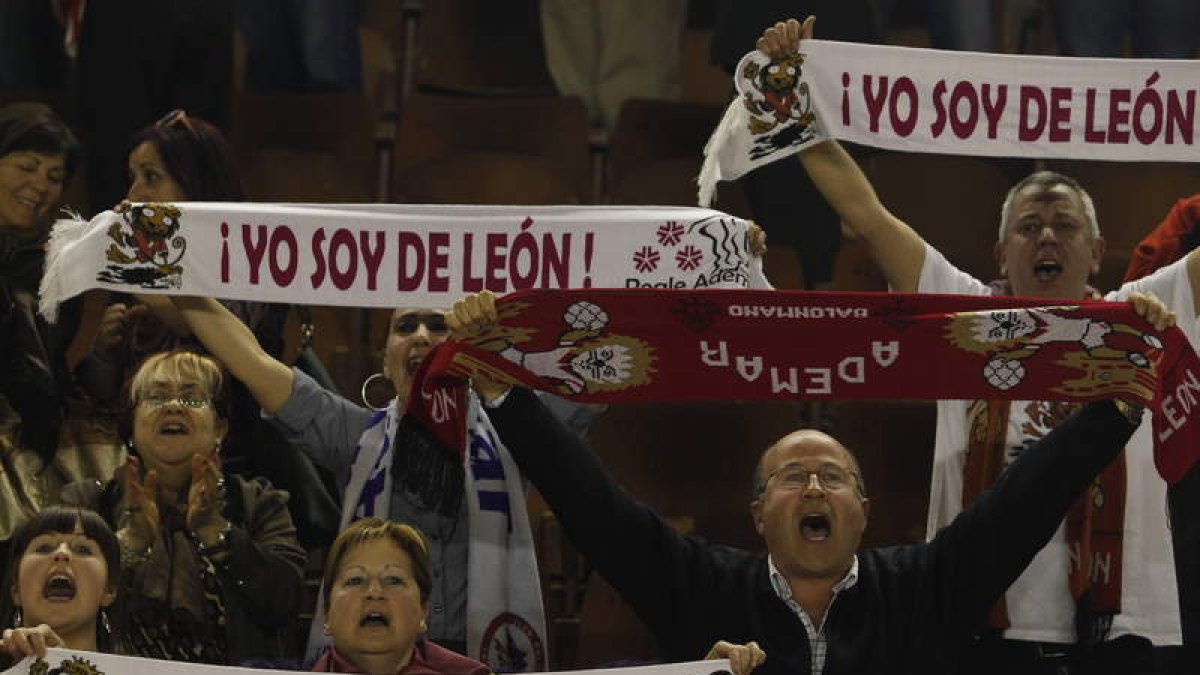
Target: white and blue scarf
<point>506,627</point>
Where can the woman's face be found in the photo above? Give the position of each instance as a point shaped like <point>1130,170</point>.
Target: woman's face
<point>62,581</point>
<point>375,605</point>
<point>411,334</point>
<point>173,420</point>
<point>31,185</point>
<point>149,180</point>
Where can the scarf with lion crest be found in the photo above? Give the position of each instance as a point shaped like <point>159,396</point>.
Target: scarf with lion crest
<point>607,345</point>
<point>599,345</point>
<point>1095,523</point>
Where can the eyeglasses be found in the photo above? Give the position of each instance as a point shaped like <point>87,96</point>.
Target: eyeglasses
<point>795,477</point>
<point>176,116</point>
<point>407,324</point>
<point>186,399</point>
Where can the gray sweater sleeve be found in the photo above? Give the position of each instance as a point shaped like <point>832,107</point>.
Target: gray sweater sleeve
<point>322,424</point>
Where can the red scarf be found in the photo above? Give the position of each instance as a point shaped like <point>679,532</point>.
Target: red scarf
<point>724,345</point>
<point>1095,523</point>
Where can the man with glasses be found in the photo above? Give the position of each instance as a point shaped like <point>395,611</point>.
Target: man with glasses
<point>814,603</point>
<point>1106,613</point>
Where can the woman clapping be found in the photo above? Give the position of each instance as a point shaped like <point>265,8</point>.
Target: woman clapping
<point>211,565</point>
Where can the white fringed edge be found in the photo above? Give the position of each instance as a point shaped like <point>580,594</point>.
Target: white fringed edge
<point>711,172</point>
<point>63,235</point>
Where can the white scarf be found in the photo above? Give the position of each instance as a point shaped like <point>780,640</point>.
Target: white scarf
<point>77,661</point>
<point>359,255</point>
<point>506,627</point>
<point>961,103</point>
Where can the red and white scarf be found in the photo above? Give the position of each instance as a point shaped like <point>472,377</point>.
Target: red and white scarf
<point>384,255</point>
<point>960,103</point>
<point>646,346</point>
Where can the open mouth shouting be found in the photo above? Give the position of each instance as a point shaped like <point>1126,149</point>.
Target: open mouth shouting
<point>174,426</point>
<point>415,359</point>
<point>59,587</point>
<point>1047,269</point>
<point>815,527</point>
<point>374,620</point>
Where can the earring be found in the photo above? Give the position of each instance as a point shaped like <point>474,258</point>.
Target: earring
<point>325,629</point>
<point>17,618</point>
<point>424,626</point>
<point>104,622</point>
<point>367,385</point>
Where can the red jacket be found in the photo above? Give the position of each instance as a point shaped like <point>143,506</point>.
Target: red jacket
<point>1168,242</point>
<point>427,659</point>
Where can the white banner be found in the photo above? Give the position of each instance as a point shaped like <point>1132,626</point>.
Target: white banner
<point>66,662</point>
<point>964,103</point>
<point>391,255</point>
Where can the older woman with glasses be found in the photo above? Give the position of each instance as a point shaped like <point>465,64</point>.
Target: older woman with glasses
<point>427,480</point>
<point>387,465</point>
<point>211,565</point>
<point>177,159</point>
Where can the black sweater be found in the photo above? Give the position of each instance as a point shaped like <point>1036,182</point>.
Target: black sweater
<point>913,608</point>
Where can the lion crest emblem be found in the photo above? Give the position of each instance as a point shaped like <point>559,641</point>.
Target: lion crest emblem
<point>146,247</point>
<point>73,666</point>
<point>781,112</point>
<point>1112,356</point>
<point>585,359</point>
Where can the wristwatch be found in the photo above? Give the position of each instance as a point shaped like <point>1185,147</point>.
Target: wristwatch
<point>1132,412</point>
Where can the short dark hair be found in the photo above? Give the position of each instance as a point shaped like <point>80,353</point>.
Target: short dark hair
<point>197,155</point>
<point>34,127</point>
<point>63,519</point>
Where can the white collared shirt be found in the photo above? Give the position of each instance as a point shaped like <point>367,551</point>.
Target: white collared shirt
<point>816,634</point>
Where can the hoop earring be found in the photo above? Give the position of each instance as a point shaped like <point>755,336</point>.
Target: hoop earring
<point>17,623</point>
<point>363,392</point>
<point>104,622</point>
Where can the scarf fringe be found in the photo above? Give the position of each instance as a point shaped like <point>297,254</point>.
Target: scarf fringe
<point>63,235</point>
<point>431,474</point>
<point>714,149</point>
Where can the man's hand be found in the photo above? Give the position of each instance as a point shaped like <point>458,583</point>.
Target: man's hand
<point>784,37</point>
<point>742,658</point>
<point>1153,310</point>
<point>21,642</point>
<point>471,316</point>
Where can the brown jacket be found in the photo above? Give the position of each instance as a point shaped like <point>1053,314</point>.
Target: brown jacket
<point>260,580</point>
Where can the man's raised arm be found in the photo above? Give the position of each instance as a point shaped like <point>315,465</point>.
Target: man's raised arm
<point>894,246</point>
